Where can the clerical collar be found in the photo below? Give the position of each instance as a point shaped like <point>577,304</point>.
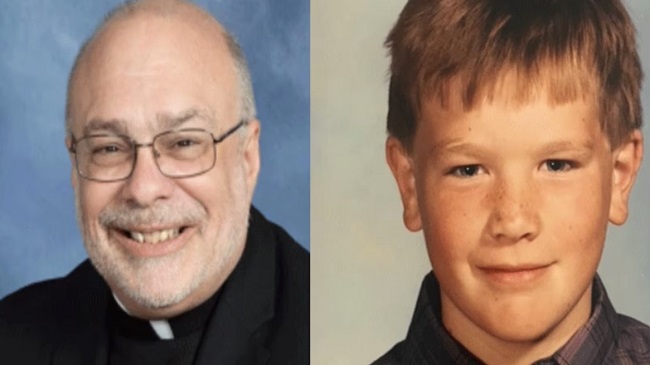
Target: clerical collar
<point>182,325</point>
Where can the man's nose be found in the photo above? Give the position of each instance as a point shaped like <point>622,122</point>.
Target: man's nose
<point>147,183</point>
<point>514,211</point>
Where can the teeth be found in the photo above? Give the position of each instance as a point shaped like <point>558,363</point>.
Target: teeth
<point>155,237</point>
<point>137,236</point>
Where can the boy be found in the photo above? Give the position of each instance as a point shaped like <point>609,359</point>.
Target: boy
<point>514,137</point>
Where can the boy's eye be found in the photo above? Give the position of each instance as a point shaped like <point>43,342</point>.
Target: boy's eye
<point>558,165</point>
<point>465,171</point>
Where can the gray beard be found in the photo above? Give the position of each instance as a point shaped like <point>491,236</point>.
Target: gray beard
<point>124,273</point>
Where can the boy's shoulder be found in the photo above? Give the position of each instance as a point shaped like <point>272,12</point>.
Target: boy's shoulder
<point>632,343</point>
<point>623,339</point>
<point>607,338</point>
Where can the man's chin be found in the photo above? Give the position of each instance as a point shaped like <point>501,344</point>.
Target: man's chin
<point>149,284</point>
<point>150,298</point>
<point>156,301</point>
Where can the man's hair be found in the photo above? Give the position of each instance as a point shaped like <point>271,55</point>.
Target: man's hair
<point>474,50</point>
<point>168,8</point>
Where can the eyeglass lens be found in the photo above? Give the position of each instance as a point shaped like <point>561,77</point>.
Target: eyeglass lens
<point>178,154</point>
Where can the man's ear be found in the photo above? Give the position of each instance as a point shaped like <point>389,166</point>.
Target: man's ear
<point>627,161</point>
<point>251,153</point>
<point>401,165</point>
<point>73,164</point>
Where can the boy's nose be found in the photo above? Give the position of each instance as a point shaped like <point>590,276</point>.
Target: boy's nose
<point>514,215</point>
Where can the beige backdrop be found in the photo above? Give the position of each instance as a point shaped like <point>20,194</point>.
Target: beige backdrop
<point>366,267</point>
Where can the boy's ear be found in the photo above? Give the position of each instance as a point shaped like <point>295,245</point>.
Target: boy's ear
<point>401,165</point>
<point>627,161</point>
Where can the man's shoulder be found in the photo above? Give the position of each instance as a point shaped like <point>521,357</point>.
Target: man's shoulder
<point>43,302</point>
<point>34,318</point>
<point>292,270</point>
<point>289,339</point>
<point>291,255</point>
<point>293,267</point>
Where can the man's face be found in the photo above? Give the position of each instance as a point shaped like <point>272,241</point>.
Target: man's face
<point>514,203</point>
<point>141,77</point>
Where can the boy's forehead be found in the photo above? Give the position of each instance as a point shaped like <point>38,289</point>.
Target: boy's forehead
<point>505,115</point>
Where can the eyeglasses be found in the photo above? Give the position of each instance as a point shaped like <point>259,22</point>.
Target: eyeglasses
<point>178,153</point>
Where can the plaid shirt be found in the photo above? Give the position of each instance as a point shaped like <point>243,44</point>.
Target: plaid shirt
<point>607,337</point>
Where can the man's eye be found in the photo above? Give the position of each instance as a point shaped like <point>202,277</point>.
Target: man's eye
<point>106,150</point>
<point>465,171</point>
<point>185,143</point>
<point>558,165</point>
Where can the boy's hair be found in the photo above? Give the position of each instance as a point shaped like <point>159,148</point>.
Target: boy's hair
<point>474,50</point>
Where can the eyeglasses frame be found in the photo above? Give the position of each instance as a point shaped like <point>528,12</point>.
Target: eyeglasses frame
<point>136,146</point>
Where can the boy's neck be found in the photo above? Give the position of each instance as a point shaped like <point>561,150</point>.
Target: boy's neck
<point>494,350</point>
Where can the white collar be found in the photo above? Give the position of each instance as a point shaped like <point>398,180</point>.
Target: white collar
<point>160,326</point>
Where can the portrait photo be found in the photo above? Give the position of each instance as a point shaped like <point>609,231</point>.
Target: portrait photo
<point>154,182</point>
<point>41,38</point>
<point>367,267</point>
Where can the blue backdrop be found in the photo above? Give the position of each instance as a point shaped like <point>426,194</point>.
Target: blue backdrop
<point>39,237</point>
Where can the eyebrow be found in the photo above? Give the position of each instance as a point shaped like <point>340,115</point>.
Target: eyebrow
<point>166,121</point>
<point>455,145</point>
<point>173,121</point>
<point>116,126</point>
<point>583,147</point>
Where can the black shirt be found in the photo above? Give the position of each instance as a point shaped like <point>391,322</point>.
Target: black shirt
<point>133,340</point>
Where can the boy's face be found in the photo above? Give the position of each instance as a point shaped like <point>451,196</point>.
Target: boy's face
<point>514,203</point>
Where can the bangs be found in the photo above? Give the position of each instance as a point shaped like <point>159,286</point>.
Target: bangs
<point>560,81</point>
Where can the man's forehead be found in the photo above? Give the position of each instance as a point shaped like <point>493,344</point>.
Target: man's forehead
<point>142,35</point>
<point>188,61</point>
<point>153,32</point>
<point>177,10</point>
<point>163,121</point>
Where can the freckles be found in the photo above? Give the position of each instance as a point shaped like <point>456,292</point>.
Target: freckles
<point>495,196</point>
<point>498,217</point>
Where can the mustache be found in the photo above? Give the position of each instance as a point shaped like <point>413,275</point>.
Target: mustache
<point>159,215</point>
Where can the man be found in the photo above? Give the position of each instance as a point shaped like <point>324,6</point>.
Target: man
<point>163,140</point>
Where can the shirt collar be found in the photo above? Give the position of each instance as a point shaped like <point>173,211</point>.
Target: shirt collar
<point>182,325</point>
<point>591,343</point>
<point>595,339</point>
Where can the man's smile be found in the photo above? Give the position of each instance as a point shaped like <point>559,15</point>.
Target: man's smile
<point>155,236</point>
<point>151,242</point>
